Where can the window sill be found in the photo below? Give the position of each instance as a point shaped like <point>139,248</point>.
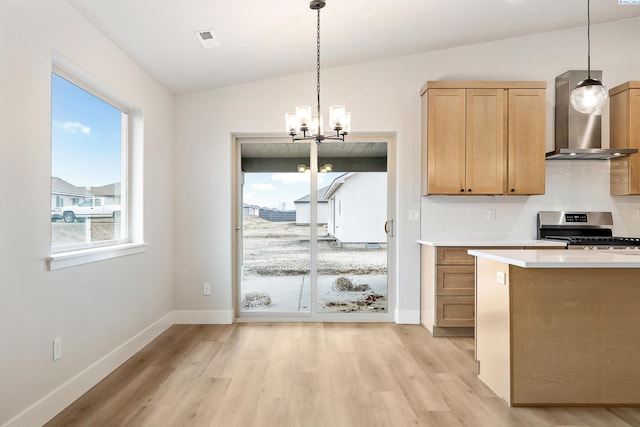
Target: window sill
<point>72,258</point>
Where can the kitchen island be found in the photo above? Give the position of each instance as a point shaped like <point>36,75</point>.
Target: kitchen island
<point>558,327</point>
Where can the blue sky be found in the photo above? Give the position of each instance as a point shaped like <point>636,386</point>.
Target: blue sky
<point>279,190</point>
<point>85,136</point>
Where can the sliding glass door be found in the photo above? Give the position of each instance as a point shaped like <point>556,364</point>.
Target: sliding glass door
<point>311,240</point>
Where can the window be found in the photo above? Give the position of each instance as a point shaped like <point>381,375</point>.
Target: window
<point>89,166</point>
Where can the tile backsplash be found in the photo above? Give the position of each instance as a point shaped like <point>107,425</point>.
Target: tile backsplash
<point>577,185</point>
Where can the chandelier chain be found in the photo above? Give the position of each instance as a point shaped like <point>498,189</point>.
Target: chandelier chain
<point>318,66</point>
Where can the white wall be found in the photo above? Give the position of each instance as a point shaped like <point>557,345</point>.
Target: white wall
<point>303,213</point>
<point>123,296</point>
<point>382,96</point>
<point>361,208</point>
<point>571,185</point>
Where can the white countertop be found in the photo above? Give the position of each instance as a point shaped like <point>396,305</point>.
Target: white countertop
<point>563,258</point>
<point>493,243</point>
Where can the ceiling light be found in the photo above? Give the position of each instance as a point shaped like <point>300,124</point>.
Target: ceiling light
<point>590,94</point>
<point>327,167</point>
<point>303,120</point>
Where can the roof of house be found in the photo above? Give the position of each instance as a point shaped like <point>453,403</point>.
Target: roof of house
<point>321,193</point>
<point>62,187</point>
<point>109,190</point>
<point>337,183</point>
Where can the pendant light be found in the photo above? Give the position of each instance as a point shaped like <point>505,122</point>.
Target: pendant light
<point>590,94</point>
<point>303,120</point>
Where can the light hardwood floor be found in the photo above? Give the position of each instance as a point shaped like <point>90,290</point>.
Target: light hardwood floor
<point>310,374</point>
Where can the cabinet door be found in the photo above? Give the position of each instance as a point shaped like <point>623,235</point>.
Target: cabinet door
<point>445,141</point>
<point>624,109</point>
<point>456,311</point>
<point>485,144</point>
<point>526,118</point>
<point>455,280</point>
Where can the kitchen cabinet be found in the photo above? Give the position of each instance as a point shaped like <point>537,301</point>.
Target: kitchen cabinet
<point>447,306</point>
<point>483,137</point>
<point>624,132</point>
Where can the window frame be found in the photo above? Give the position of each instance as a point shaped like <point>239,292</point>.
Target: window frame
<point>63,256</point>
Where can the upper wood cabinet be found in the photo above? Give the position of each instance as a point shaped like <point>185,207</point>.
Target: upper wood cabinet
<point>624,132</point>
<point>483,137</point>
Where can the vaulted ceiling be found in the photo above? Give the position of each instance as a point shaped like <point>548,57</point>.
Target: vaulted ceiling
<point>266,39</point>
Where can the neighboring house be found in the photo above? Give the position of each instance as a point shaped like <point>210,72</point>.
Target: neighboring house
<point>250,210</point>
<point>64,193</point>
<point>303,208</point>
<point>358,208</point>
<point>111,191</point>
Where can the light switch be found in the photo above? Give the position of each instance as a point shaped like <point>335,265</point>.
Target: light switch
<point>501,277</point>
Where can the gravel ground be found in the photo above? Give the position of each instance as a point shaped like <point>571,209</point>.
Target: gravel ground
<point>74,232</point>
<point>282,249</point>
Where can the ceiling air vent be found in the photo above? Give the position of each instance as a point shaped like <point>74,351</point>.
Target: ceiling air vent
<point>207,38</point>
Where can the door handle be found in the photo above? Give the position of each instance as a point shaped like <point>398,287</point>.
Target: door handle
<point>388,227</point>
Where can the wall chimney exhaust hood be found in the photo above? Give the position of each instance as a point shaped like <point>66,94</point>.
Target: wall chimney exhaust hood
<point>578,135</point>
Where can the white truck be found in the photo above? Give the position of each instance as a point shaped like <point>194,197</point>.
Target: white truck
<point>91,207</point>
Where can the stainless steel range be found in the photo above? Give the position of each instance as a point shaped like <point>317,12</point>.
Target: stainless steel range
<point>583,230</point>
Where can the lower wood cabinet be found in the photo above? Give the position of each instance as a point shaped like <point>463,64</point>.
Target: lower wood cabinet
<point>455,311</point>
<point>447,306</point>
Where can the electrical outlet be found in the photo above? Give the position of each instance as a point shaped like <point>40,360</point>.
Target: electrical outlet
<point>57,348</point>
<point>206,289</point>
<point>491,215</point>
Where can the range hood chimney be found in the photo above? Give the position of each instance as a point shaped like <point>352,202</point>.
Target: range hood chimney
<point>578,135</point>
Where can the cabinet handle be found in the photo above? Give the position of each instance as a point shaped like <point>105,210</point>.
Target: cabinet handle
<point>462,190</point>
<point>469,191</point>
<point>513,190</point>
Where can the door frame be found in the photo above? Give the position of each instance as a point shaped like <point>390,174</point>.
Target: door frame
<point>239,138</point>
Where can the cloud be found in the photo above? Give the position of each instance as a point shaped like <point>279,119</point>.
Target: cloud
<point>291,178</point>
<point>263,187</point>
<point>74,127</point>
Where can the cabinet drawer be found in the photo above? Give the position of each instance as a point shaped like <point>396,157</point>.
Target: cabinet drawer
<point>455,311</point>
<point>454,256</point>
<point>455,280</point>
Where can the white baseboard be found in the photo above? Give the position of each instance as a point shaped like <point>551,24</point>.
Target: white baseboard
<point>407,317</point>
<point>203,317</point>
<point>53,403</point>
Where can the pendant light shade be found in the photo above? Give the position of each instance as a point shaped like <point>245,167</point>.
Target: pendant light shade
<point>590,94</point>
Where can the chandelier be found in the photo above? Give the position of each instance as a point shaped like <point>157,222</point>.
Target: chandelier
<point>303,120</point>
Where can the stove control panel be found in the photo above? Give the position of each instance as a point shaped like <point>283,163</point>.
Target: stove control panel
<point>575,217</point>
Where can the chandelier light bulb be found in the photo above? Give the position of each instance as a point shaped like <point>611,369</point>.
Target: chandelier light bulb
<point>346,126</point>
<point>303,115</point>
<point>291,123</point>
<point>336,117</point>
